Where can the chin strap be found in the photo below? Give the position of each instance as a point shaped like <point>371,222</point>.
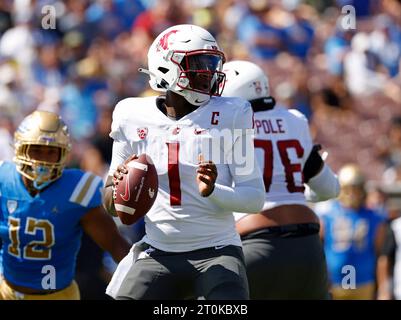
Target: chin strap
<point>41,171</point>
<point>186,93</point>
<point>40,186</point>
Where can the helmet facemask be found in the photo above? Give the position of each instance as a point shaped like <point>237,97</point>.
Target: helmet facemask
<point>352,196</point>
<point>200,72</point>
<point>41,172</point>
<point>41,129</point>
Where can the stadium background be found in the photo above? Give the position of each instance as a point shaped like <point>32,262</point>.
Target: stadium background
<point>347,82</point>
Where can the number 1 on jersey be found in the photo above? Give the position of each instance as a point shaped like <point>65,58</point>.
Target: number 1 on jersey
<point>174,173</point>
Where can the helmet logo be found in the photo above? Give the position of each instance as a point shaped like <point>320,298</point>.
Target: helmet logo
<point>176,131</point>
<point>258,87</point>
<point>163,42</point>
<point>47,139</point>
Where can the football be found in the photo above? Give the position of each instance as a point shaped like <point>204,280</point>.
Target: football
<point>137,191</point>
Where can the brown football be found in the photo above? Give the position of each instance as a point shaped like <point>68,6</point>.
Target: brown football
<point>137,191</point>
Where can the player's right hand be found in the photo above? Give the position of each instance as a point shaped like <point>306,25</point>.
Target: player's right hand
<point>206,176</point>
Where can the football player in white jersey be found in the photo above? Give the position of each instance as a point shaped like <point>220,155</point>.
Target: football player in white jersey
<point>195,139</point>
<point>283,253</point>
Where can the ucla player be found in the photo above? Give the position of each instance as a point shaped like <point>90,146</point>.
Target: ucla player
<point>43,210</point>
<point>353,237</point>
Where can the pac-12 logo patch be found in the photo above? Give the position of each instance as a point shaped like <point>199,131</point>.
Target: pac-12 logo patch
<point>12,206</point>
<point>176,130</point>
<point>142,132</point>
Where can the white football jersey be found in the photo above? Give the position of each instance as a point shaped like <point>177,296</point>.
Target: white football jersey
<point>282,146</point>
<point>181,219</point>
<point>396,228</point>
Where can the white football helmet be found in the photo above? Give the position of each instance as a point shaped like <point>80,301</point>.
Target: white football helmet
<point>186,60</point>
<point>246,80</point>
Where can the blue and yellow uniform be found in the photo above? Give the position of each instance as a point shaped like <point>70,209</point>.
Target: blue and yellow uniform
<point>349,240</point>
<point>44,232</point>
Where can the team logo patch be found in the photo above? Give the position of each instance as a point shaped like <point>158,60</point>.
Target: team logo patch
<point>258,87</point>
<point>12,206</point>
<point>142,133</point>
<point>47,139</point>
<point>176,131</point>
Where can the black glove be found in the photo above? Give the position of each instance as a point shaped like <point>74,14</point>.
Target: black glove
<point>313,164</point>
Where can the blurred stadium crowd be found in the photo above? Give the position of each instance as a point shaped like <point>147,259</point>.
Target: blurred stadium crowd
<point>347,82</point>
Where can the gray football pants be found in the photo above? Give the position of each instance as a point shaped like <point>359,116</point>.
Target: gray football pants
<point>286,268</point>
<point>215,274</point>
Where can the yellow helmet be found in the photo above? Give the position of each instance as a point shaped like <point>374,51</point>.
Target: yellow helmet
<point>45,129</point>
<point>351,175</point>
<point>352,182</point>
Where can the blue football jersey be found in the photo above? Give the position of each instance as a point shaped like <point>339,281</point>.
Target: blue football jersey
<point>44,230</point>
<point>350,240</point>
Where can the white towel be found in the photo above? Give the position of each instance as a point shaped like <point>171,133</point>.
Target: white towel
<point>123,268</point>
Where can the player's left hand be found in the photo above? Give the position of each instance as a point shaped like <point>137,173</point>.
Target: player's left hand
<point>206,176</point>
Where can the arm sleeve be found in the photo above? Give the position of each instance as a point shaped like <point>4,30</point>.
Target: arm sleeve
<point>87,192</point>
<point>323,186</point>
<point>313,164</point>
<point>321,181</point>
<point>247,196</point>
<point>122,149</point>
<point>96,199</point>
<point>248,192</point>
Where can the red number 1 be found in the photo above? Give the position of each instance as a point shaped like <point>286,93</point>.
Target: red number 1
<point>174,173</point>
